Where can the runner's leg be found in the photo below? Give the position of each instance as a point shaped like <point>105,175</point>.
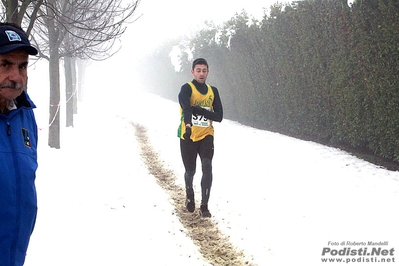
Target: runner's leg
<point>206,151</point>
<point>188,151</point>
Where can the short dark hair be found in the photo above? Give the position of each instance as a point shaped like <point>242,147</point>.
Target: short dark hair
<point>200,61</point>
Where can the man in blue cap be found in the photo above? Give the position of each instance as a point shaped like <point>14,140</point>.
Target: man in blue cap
<point>18,147</point>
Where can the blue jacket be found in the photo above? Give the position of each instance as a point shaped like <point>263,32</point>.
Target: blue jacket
<point>18,164</point>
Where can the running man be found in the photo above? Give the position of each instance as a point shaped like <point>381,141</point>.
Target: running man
<point>200,105</point>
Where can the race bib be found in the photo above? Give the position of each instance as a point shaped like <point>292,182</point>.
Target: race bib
<point>200,120</point>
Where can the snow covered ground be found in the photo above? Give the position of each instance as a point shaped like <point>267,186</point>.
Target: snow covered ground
<point>281,200</point>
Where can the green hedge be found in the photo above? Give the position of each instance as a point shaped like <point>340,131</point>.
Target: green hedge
<point>318,69</point>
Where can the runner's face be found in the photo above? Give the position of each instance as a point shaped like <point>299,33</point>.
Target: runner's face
<point>200,73</point>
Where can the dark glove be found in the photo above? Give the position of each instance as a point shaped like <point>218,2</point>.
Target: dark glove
<point>198,110</point>
<point>187,134</point>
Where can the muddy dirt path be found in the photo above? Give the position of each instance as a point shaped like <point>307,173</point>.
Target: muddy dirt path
<point>214,246</point>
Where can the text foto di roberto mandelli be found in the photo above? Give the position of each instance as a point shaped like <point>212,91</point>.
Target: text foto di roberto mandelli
<point>355,243</point>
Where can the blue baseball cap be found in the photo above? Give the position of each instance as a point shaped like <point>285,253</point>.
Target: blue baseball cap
<point>12,38</point>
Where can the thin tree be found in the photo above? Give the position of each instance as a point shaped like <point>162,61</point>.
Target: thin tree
<point>77,29</point>
<point>94,27</point>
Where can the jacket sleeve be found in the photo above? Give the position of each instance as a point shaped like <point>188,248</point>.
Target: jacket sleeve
<point>184,101</point>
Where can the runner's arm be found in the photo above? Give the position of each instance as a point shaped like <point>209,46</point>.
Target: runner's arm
<point>217,113</point>
<point>184,100</point>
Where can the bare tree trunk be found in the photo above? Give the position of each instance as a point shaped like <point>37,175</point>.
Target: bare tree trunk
<point>81,71</point>
<point>12,11</point>
<point>55,104</point>
<point>54,69</point>
<point>69,90</point>
<point>74,86</point>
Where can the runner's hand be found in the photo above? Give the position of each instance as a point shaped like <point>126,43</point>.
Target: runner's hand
<point>187,134</point>
<point>198,110</point>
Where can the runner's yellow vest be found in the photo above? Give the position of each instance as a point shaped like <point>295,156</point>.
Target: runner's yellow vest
<point>202,126</point>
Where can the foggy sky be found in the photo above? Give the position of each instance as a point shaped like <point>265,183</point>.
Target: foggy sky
<point>161,20</point>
